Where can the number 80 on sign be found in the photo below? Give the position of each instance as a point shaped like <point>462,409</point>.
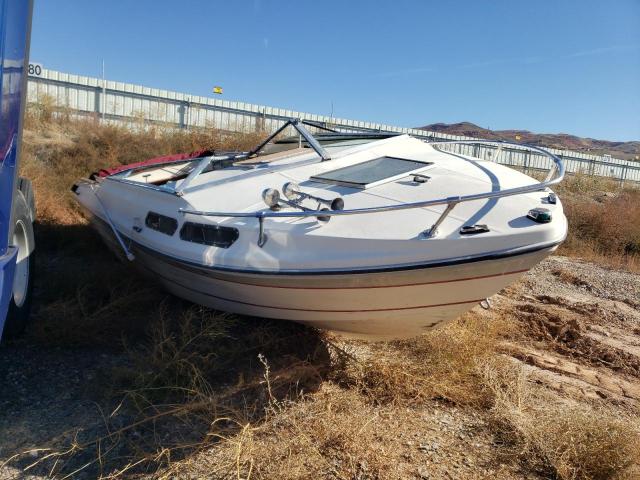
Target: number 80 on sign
<point>35,69</point>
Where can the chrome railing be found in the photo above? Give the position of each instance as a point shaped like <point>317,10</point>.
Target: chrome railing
<point>555,175</point>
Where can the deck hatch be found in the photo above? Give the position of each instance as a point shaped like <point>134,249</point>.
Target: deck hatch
<point>372,172</point>
<point>161,223</point>
<point>214,235</point>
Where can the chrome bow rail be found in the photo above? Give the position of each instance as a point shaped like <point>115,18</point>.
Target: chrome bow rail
<point>555,175</point>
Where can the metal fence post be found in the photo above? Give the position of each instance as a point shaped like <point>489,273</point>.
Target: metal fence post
<point>96,102</point>
<point>561,156</point>
<point>182,112</point>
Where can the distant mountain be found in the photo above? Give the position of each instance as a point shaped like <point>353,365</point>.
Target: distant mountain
<point>563,141</point>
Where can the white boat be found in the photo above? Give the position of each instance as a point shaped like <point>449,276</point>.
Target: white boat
<point>374,237</point>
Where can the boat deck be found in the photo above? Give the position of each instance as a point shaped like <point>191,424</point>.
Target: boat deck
<point>357,241</point>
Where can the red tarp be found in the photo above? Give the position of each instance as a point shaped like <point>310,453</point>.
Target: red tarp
<point>105,172</point>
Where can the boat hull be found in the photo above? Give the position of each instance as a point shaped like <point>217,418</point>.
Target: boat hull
<point>393,303</point>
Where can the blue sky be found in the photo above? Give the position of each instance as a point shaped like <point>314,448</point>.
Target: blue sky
<point>546,66</point>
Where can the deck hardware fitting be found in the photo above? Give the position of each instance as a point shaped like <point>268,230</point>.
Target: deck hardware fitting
<point>292,191</point>
<point>274,201</point>
<point>262,237</point>
<point>474,229</point>
<point>419,178</point>
<point>433,231</point>
<point>540,215</point>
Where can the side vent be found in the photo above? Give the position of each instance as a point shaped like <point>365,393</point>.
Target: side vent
<point>214,235</point>
<point>161,223</point>
<point>474,229</point>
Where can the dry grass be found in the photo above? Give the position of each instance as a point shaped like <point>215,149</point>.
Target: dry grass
<point>604,221</point>
<point>275,400</point>
<point>608,228</point>
<point>350,426</point>
<point>442,364</point>
<point>333,434</point>
<point>199,376</point>
<point>581,183</point>
<point>352,429</point>
<point>565,440</point>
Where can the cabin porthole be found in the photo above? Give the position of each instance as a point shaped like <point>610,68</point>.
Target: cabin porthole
<point>206,234</point>
<point>161,223</point>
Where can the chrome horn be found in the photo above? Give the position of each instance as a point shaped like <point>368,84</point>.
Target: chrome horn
<point>272,198</point>
<point>292,191</point>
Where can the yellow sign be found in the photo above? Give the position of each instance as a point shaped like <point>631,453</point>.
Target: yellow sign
<point>217,90</point>
<point>518,137</point>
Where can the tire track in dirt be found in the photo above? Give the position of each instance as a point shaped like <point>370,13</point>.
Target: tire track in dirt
<point>583,340</point>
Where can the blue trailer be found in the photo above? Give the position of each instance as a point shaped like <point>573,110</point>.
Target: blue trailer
<point>17,211</point>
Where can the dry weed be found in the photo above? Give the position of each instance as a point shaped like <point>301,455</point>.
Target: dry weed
<point>440,364</point>
<point>570,441</point>
<point>199,377</point>
<point>582,183</point>
<point>606,229</point>
<point>334,433</point>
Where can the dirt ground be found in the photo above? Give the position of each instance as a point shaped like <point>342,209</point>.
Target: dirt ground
<point>578,338</point>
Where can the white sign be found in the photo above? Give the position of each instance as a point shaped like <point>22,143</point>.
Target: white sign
<point>35,69</point>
